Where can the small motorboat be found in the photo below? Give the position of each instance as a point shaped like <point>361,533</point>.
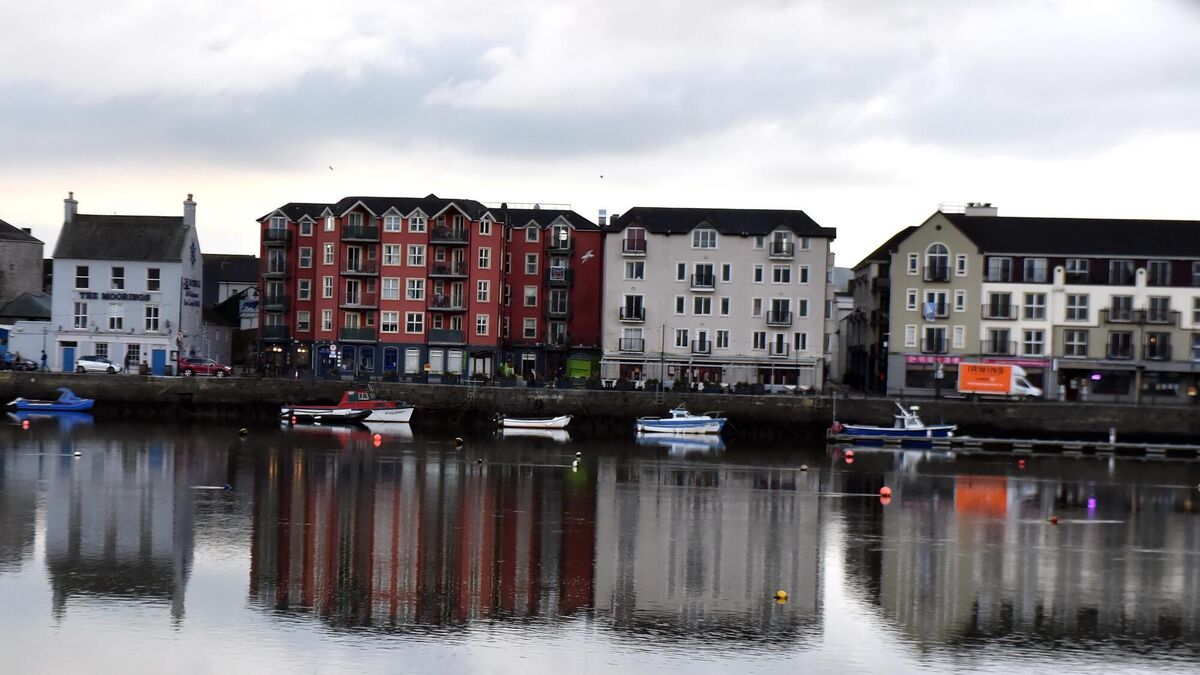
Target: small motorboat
<point>324,415</point>
<point>682,422</point>
<point>67,401</point>
<point>378,410</point>
<point>559,422</point>
<point>908,425</point>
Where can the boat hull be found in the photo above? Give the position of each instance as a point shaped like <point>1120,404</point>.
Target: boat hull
<point>934,431</point>
<point>680,426</point>
<point>325,415</point>
<point>559,422</point>
<point>25,405</point>
<point>400,415</point>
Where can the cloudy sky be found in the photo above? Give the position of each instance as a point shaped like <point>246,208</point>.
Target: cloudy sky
<point>866,114</point>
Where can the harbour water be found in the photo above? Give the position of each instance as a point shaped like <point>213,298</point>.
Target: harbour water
<point>162,548</point>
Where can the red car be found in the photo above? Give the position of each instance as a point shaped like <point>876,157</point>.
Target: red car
<point>194,365</point>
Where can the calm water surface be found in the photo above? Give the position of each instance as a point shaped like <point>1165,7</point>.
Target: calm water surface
<point>329,554</point>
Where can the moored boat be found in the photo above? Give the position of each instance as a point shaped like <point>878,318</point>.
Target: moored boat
<point>682,422</point>
<point>378,410</point>
<point>67,401</point>
<point>908,424</point>
<point>324,415</point>
<point>559,422</point>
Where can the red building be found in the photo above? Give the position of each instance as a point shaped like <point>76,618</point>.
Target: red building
<point>401,287</point>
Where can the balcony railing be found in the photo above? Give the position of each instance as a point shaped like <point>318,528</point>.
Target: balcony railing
<point>1157,349</point>
<point>635,345</point>
<point>356,334</point>
<point>937,273</point>
<point>1000,312</point>
<point>934,346</point>
<point>356,267</point>
<point>559,310</point>
<point>445,336</point>
<point>704,282</point>
<point>448,235</point>
<point>782,250</point>
<point>701,346</point>
<point>454,268</point>
<point>1162,316</point>
<point>997,347</point>
<point>446,303</point>
<point>557,245</point>
<point>633,246</point>
<point>275,302</point>
<point>1121,315</point>
<point>360,300</point>
<point>778,350</point>
<point>360,233</point>
<point>274,333</point>
<point>275,272</point>
<point>633,314</point>
<point>559,276</point>
<point>781,318</point>
<point>560,341</point>
<point>936,310</point>
<point>276,237</point>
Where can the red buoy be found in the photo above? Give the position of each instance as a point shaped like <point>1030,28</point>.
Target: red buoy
<point>24,424</point>
<point>885,500</point>
<point>1053,520</point>
<point>885,491</point>
<point>377,437</point>
<point>1020,464</point>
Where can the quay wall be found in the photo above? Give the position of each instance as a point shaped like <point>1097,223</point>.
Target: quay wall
<point>603,412</point>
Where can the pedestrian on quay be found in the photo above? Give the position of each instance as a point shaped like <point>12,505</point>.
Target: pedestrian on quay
<point>45,364</point>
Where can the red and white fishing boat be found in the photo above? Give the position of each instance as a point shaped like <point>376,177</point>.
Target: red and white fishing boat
<point>353,402</point>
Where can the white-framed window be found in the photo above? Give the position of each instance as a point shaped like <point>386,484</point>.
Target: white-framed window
<point>304,289</point>
<point>81,276</point>
<point>327,258</point>
<point>414,288</point>
<point>504,327</point>
<point>278,223</point>
<point>531,233</point>
<point>725,307</point>
<point>1033,342</point>
<point>153,279</point>
<point>531,296</point>
<point>781,274</point>
<point>680,305</point>
<point>759,242</point>
<point>704,237</point>
<point>151,318</point>
<point>305,256</point>
<point>960,265</point>
<point>416,223</point>
<point>390,288</point>
<point>391,223</point>
<point>680,271</point>
<point>1077,307</point>
<point>756,306</point>
<point>485,258</point>
<point>1075,344</point>
<point>531,263</point>
<point>414,323</point>
<point>800,342</point>
<point>117,278</point>
<point>326,320</point>
<point>1035,306</point>
<point>958,336</point>
<point>960,300</point>
<point>326,287</point>
<point>681,337</point>
<point>722,339</point>
<point>306,228</point>
<point>759,340</point>
<point>391,254</point>
<point>910,335</point>
<point>303,321</point>
<point>485,228</point>
<point>1035,270</point>
<point>726,272</point>
<point>330,224</point>
<point>635,270</point>
<point>702,305</point>
<point>483,291</point>
<point>1196,311</point>
<point>910,299</point>
<point>804,274</point>
<point>481,324</point>
<point>758,274</point>
<point>416,255</point>
<point>913,265</point>
<point>529,329</point>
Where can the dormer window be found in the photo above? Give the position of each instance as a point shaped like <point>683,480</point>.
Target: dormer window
<point>391,223</point>
<point>416,223</point>
<point>278,223</point>
<point>329,224</point>
<point>531,233</point>
<point>354,220</point>
<point>704,237</point>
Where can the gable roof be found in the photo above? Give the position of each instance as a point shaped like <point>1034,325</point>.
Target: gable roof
<point>94,237</point>
<point>1081,236</point>
<point>12,233</point>
<point>546,217</point>
<point>297,210</point>
<point>27,306</point>
<point>430,205</point>
<point>884,252</point>
<point>746,222</point>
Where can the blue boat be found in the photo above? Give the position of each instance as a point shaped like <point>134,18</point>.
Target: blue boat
<point>908,425</point>
<point>67,401</point>
<point>682,422</point>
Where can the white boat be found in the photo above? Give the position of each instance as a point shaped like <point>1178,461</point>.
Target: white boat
<point>556,435</point>
<point>559,422</point>
<point>363,399</point>
<point>682,422</point>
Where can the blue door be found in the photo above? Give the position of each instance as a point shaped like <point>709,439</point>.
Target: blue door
<point>158,362</point>
<point>68,359</point>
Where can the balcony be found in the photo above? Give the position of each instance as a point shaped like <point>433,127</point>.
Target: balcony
<point>274,333</point>
<point>360,300</point>
<point>704,282</point>
<point>934,346</point>
<point>1078,278</point>
<point>1121,315</point>
<point>778,350</point>
<point>779,318</point>
<point>360,233</point>
<point>446,336</point>
<point>277,303</point>
<point>1157,347</point>
<point>937,273</point>
<point>448,236</point>
<point>560,277</point>
<point>701,346</point>
<point>440,302</point>
<point>559,341</point>
<point>453,269</point>
<point>782,250</point>
<point>1000,312</point>
<point>557,246</point>
<point>998,347</point>
<point>356,334</point>
<point>558,310</point>
<point>632,345</point>
<point>276,237</point>
<point>633,314</point>
<point>934,310</point>
<point>633,246</point>
<point>1162,316</point>
<point>275,272</point>
<point>360,268</point>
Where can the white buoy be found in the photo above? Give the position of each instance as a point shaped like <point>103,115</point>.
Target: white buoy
<point>78,453</point>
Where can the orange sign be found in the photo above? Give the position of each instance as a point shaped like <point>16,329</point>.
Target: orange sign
<point>984,378</point>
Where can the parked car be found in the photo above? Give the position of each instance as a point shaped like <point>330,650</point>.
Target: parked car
<point>193,365</point>
<point>9,361</point>
<point>96,364</point>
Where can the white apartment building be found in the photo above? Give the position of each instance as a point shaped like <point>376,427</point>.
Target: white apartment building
<point>716,296</point>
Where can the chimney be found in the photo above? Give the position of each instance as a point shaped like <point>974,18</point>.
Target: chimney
<point>70,207</point>
<point>189,212</point>
<point>980,209</point>
<point>602,219</point>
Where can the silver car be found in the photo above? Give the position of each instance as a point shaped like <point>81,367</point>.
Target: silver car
<point>96,364</point>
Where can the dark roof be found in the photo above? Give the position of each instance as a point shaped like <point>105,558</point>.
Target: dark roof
<point>213,316</point>
<point>884,252</point>
<point>1081,236</point>
<point>27,306</point>
<point>297,210</point>
<point>544,217</point>
<point>12,233</point>
<point>429,204</point>
<point>226,267</point>
<point>122,238</point>
<point>726,221</point>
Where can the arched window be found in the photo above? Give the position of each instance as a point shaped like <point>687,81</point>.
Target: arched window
<point>937,263</point>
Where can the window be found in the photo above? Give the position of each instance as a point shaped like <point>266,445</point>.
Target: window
<point>1196,274</point>
<point>1077,307</point>
<point>800,342</point>
<point>960,265</point>
<point>1075,343</point>
<point>1159,309</point>
<point>1196,311</point>
<point>805,243</point>
<point>679,305</point>
<point>910,335</point>
<point>802,308</point>
<point>937,263</point>
<point>305,256</point>
<point>681,337</point>
<point>416,255</point>
<point>759,340</point>
<point>999,269</point>
<point>151,316</point>
<point>1077,270</point>
<point>390,288</point>
<point>758,274</point>
<point>483,291</point>
<point>726,272</point>
<point>635,270</point>
<point>934,341</point>
<point>153,279</point>
<point>960,301</point>
<point>116,317</point>
<point>326,287</point>
<point>485,228</point>
<point>416,223</point>
<point>914,261</point>
<point>1035,306</point>
<point>959,337</point>
<point>724,306</point>
<point>414,289</point>
<point>303,321</point>
<point>531,263</point>
<point>1120,345</point>
<point>1035,270</point>
<point>1033,342</point>
<point>391,223</point>
<point>702,306</point>
<point>117,279</point>
<point>329,224</point>
<point>704,238</point>
<point>529,329</point>
<point>1120,272</point>
<point>804,274</point>
<point>1195,355</point>
<point>485,258</point>
<point>327,259</point>
<point>935,306</point>
<point>306,228</point>
<point>354,220</point>
<point>481,324</point>
<point>999,306</point>
<point>391,254</point>
<point>910,299</point>
<point>414,322</point>
<point>327,320</point>
<point>680,271</point>
<point>781,274</point>
<point>531,233</point>
<point>304,289</point>
<point>101,349</point>
<point>81,276</point>
<point>531,296</point>
<point>1158,273</point>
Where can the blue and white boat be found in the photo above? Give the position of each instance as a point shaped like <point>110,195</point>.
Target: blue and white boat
<point>908,425</point>
<point>67,401</point>
<point>682,422</point>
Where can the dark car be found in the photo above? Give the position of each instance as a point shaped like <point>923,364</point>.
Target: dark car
<point>194,365</point>
<point>9,361</point>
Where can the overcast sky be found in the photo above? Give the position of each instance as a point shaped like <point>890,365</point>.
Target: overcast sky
<point>866,114</point>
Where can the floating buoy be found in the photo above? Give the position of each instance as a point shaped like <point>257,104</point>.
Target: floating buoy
<point>1053,520</point>
<point>804,467</point>
<point>293,419</point>
<point>78,453</point>
<point>377,437</point>
<point>578,455</point>
<point>243,431</point>
<point>885,500</point>
<point>849,454</point>
<point>377,441</point>
<point>227,487</point>
<point>479,461</point>
<point>1020,464</point>
<point>885,491</point>
<point>574,463</point>
<point>24,424</point>
<point>458,442</point>
<point>781,596</point>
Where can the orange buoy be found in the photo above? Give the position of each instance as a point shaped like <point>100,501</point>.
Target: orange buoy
<point>885,500</point>
<point>849,460</point>
<point>849,453</point>
<point>781,596</point>
<point>24,424</point>
<point>1053,520</point>
<point>377,437</point>
<point>885,491</point>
